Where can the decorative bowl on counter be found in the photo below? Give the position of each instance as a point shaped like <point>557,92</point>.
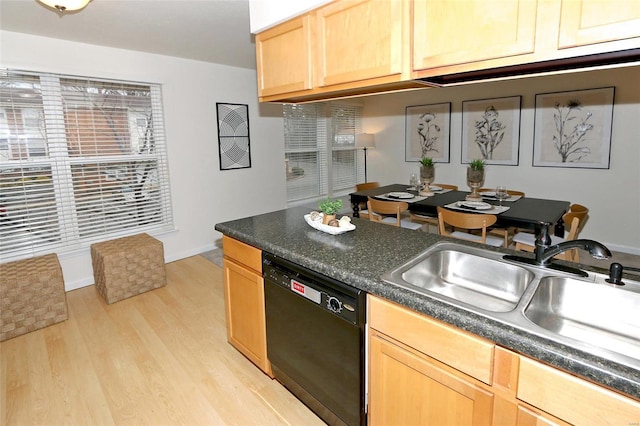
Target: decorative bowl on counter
<point>333,230</point>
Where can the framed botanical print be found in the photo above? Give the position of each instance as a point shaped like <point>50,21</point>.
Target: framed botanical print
<point>491,130</point>
<point>427,132</point>
<point>573,129</point>
<point>233,136</point>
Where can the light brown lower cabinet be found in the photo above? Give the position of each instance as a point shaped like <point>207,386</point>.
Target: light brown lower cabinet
<point>407,388</point>
<point>571,398</point>
<point>244,301</point>
<point>421,374</point>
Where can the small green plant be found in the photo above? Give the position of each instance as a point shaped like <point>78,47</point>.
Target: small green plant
<point>329,206</point>
<point>477,165</point>
<point>427,161</point>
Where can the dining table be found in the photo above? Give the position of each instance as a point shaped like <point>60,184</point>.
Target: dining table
<point>538,214</point>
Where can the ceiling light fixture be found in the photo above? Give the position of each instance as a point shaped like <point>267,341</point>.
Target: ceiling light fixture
<point>65,5</point>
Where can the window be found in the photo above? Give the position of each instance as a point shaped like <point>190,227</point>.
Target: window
<point>80,161</point>
<point>320,154</point>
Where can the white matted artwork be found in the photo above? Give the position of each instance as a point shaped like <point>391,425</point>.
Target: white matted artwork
<point>427,132</point>
<point>491,130</point>
<point>573,129</point>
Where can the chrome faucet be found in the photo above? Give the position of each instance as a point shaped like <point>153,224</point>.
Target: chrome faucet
<point>545,253</point>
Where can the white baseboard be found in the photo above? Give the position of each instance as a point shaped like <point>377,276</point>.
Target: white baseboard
<point>74,285</point>
<point>189,253</point>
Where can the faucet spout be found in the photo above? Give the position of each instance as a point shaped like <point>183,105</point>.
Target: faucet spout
<point>596,249</point>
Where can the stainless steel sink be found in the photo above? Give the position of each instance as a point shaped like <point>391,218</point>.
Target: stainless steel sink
<point>596,313</point>
<point>587,314</point>
<point>472,276</point>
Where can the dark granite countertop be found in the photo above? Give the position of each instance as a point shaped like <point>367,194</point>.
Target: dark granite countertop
<point>361,256</point>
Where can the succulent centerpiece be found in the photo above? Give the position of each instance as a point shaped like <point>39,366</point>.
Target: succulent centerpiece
<point>329,208</point>
<point>475,179</point>
<point>427,175</point>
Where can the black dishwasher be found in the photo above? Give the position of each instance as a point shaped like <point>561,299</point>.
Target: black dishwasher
<point>315,339</point>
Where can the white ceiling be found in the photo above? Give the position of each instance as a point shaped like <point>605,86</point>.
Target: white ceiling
<point>206,30</point>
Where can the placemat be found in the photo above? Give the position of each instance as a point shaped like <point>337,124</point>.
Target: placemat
<point>406,200</point>
<point>491,196</point>
<point>493,210</point>
<point>441,191</point>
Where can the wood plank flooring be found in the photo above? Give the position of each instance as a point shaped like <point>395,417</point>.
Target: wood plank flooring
<point>160,358</point>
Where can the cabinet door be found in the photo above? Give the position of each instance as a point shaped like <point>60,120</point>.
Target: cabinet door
<point>361,39</point>
<point>465,31</point>
<point>408,389</point>
<point>584,22</point>
<point>244,308</point>
<point>530,417</point>
<point>572,399</point>
<point>284,57</point>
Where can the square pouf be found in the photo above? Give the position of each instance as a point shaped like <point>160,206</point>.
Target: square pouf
<point>32,295</point>
<point>128,266</point>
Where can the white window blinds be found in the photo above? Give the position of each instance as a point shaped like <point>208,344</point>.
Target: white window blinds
<point>320,154</point>
<point>346,122</point>
<point>80,161</point>
<point>305,141</point>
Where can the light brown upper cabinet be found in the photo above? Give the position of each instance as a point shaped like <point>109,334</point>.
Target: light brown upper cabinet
<point>355,47</point>
<point>585,22</point>
<point>361,40</point>
<point>458,32</point>
<point>284,57</point>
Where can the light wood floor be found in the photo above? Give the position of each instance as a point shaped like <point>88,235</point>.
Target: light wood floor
<point>160,358</point>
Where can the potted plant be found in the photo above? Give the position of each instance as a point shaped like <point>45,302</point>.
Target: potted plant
<point>427,174</point>
<point>475,178</point>
<point>329,208</point>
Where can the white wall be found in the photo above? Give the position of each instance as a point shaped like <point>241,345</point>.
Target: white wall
<point>202,195</point>
<point>613,196</point>
<point>264,14</point>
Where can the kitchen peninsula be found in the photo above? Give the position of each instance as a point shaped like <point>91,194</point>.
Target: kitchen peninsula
<point>359,258</point>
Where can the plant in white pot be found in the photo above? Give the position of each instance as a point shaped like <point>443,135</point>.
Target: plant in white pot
<point>427,175</point>
<point>475,179</point>
<point>329,208</point>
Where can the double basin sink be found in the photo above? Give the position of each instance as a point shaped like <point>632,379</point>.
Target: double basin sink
<point>584,313</point>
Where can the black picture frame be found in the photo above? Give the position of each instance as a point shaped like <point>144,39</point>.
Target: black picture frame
<point>572,129</point>
<point>427,132</point>
<point>491,130</point>
<point>234,144</point>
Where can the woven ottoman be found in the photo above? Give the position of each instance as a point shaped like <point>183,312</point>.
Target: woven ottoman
<point>32,295</point>
<point>128,266</point>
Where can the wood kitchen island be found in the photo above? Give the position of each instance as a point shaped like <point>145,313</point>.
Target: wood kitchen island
<point>359,258</point>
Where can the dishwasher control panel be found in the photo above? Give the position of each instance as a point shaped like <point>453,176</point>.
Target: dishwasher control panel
<point>318,289</point>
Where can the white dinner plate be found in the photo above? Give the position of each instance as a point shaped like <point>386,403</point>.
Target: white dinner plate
<point>401,195</point>
<point>488,194</point>
<point>435,188</point>
<point>479,205</point>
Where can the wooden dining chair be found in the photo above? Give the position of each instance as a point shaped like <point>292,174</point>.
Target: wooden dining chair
<point>390,213</point>
<point>574,222</point>
<point>509,232</point>
<point>470,222</point>
<point>362,207</point>
<point>430,220</point>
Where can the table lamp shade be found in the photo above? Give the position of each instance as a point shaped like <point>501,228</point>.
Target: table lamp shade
<point>365,140</point>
